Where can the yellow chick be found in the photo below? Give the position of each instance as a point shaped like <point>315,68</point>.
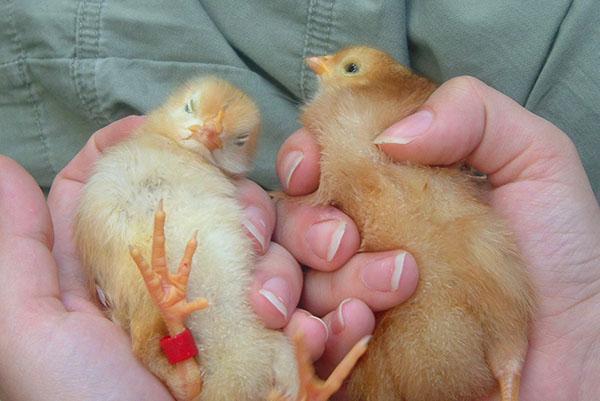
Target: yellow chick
<point>465,328</point>
<point>183,156</point>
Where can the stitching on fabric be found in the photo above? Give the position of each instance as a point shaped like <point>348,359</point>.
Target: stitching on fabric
<point>98,25</point>
<point>86,45</point>
<point>33,98</point>
<point>224,66</point>
<point>322,29</point>
<point>317,38</point>
<point>550,50</point>
<point>75,60</point>
<point>303,68</point>
<point>8,63</point>
<point>102,112</point>
<point>329,43</point>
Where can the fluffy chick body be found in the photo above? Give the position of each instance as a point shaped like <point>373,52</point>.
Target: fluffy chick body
<point>240,358</point>
<point>466,325</point>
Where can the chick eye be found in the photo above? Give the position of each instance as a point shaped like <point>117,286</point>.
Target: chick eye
<point>189,106</point>
<point>241,139</point>
<point>351,68</point>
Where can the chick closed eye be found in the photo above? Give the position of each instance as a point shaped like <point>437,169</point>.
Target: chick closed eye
<point>241,139</point>
<point>189,106</point>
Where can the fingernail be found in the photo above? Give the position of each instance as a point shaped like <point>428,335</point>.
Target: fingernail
<point>338,323</point>
<point>276,291</point>
<point>291,161</point>
<point>407,130</point>
<point>323,324</point>
<point>384,274</point>
<point>254,222</point>
<point>324,238</point>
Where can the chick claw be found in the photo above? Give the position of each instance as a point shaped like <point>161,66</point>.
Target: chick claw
<point>311,387</point>
<point>168,290</point>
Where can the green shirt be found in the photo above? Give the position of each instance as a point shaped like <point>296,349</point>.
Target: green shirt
<point>68,68</point>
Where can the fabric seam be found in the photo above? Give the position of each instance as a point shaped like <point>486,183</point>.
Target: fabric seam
<point>74,61</point>
<point>33,98</point>
<point>87,43</point>
<point>303,67</point>
<point>317,34</point>
<point>104,114</point>
<point>127,58</point>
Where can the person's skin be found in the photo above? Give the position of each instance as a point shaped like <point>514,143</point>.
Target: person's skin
<point>63,346</point>
<point>70,351</point>
<point>539,187</point>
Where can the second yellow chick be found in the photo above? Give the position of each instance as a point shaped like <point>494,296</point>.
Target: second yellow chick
<point>465,328</point>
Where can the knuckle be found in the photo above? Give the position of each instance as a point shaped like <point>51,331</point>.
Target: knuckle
<point>246,186</point>
<point>464,87</point>
<point>561,148</point>
<point>466,83</point>
<point>565,143</point>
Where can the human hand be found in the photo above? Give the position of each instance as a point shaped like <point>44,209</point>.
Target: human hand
<point>343,286</point>
<point>539,186</point>
<point>69,349</point>
<point>54,345</point>
<point>277,283</point>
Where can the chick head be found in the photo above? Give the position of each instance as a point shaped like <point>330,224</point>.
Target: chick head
<point>355,67</point>
<point>215,119</point>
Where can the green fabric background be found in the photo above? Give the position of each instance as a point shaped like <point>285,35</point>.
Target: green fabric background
<point>68,68</point>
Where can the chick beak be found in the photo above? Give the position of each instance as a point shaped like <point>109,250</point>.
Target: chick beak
<point>207,136</point>
<point>319,65</point>
<point>209,133</point>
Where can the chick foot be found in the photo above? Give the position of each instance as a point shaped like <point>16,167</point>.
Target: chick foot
<point>311,387</point>
<point>169,293</point>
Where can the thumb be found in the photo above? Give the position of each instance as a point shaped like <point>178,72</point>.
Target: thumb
<point>26,264</point>
<point>464,119</point>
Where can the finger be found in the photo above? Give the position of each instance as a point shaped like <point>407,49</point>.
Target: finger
<point>467,120</point>
<point>351,321</point>
<point>313,330</point>
<point>298,164</point>
<point>259,213</point>
<point>382,280</point>
<point>63,201</point>
<point>276,287</point>
<point>27,268</point>
<point>321,237</point>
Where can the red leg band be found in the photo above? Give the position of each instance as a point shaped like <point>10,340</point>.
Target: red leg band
<point>180,347</point>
